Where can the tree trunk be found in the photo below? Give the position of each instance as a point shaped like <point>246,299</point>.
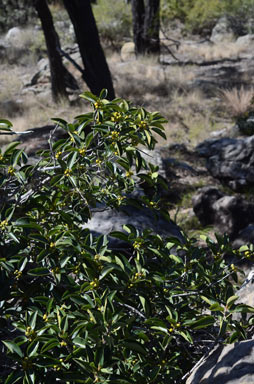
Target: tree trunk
<point>96,72</point>
<point>152,26</point>
<point>138,19</point>
<point>60,76</point>
<point>146,26</point>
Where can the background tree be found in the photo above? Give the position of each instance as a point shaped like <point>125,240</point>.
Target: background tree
<point>96,73</point>
<point>61,78</point>
<point>146,26</point>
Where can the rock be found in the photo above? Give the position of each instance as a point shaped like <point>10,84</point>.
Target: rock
<point>11,108</point>
<point>246,292</point>
<point>245,40</point>
<point>246,125</point>
<point>245,236</point>
<point>203,204</point>
<point>38,138</point>
<point>229,214</point>
<point>128,51</point>
<point>14,37</point>
<point>229,364</point>
<point>230,160</point>
<point>109,220</point>
<point>232,214</point>
<point>222,31</point>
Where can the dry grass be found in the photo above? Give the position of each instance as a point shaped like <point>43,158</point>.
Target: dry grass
<point>210,52</point>
<point>237,101</point>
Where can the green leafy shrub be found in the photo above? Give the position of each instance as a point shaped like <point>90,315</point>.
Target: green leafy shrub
<point>113,19</point>
<point>200,16</point>
<point>74,310</point>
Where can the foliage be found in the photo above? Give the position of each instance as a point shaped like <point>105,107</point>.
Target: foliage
<point>113,19</point>
<point>15,12</point>
<point>72,308</point>
<point>201,15</point>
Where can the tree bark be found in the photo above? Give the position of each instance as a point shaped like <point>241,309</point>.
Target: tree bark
<point>60,76</point>
<point>146,26</point>
<point>138,19</point>
<point>96,73</point>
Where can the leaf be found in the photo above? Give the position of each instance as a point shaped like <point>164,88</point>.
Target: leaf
<point>89,96</point>
<point>13,377</point>
<point>216,307</point>
<point>80,342</point>
<point>162,329</point>
<point>186,335</point>
<point>32,348</point>
<point>135,346</point>
<point>231,300</point>
<point>10,147</point>
<point>13,347</point>
<point>52,343</point>
<point>38,272</point>
<point>119,235</point>
<point>72,160</point>
<point>203,322</point>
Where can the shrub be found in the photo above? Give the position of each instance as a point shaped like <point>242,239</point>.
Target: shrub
<point>200,16</point>
<point>74,310</point>
<point>113,19</point>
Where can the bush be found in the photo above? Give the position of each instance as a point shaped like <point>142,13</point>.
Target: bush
<point>113,19</point>
<point>200,16</point>
<point>74,310</point>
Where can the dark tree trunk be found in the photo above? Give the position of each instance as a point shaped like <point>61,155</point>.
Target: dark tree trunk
<point>96,72</point>
<point>152,26</point>
<point>146,26</point>
<point>60,76</point>
<point>138,19</point>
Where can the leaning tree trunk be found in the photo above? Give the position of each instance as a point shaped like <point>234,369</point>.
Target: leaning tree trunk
<point>96,73</point>
<point>146,26</point>
<point>60,76</point>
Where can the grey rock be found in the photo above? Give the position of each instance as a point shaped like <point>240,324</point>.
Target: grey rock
<point>229,214</point>
<point>246,292</point>
<point>230,160</point>
<point>128,51</point>
<point>245,40</point>
<point>38,138</point>
<point>222,31</point>
<point>14,37</point>
<point>203,204</point>
<point>246,125</point>
<point>109,220</point>
<point>245,236</point>
<point>232,214</point>
<point>229,364</point>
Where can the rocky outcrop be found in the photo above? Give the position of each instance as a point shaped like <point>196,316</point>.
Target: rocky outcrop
<point>229,214</point>
<point>230,160</point>
<point>203,203</point>
<point>222,31</point>
<point>229,364</point>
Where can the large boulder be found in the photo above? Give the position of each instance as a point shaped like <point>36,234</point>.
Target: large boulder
<point>222,32</point>
<point>104,221</point>
<point>229,214</point>
<point>245,236</point>
<point>230,160</point>
<point>203,204</point>
<point>229,364</point>
<point>14,37</point>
